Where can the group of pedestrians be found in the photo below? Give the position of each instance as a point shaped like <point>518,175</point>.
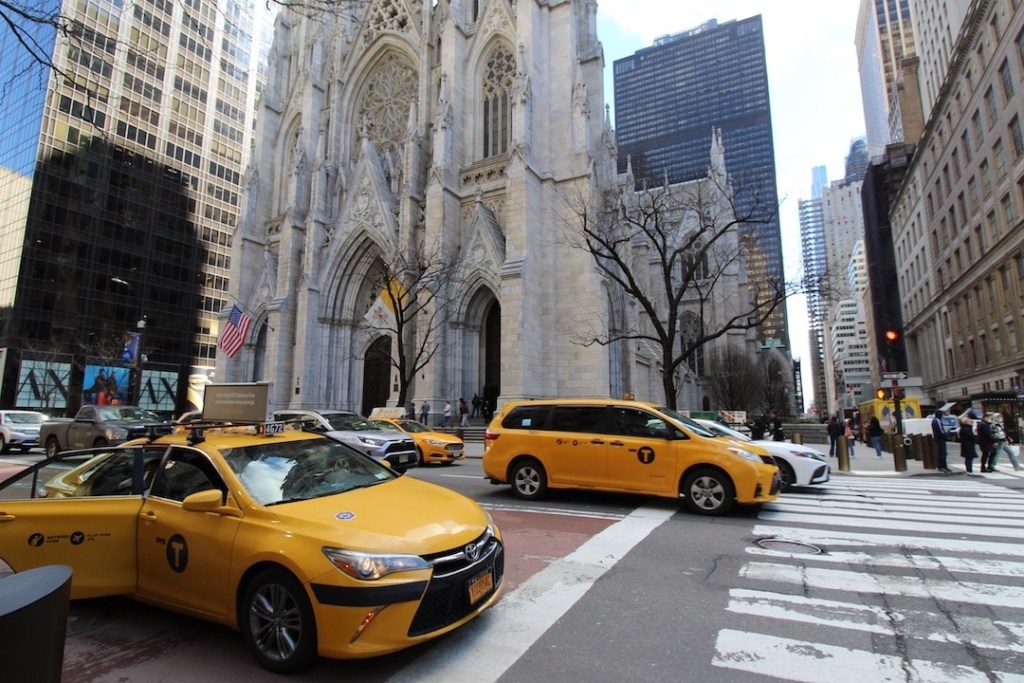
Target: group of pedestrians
<point>980,434</point>
<point>847,429</point>
<point>477,407</point>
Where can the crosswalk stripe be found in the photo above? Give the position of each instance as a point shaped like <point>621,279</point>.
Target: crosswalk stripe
<point>889,523</point>
<point>961,565</point>
<point>828,537</point>
<point>977,631</point>
<point>807,662</point>
<point>877,584</point>
<point>896,509</point>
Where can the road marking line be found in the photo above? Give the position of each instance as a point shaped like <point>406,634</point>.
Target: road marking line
<point>513,625</point>
<point>908,586</point>
<point>960,565</point>
<point>806,662</point>
<point>889,523</point>
<point>838,537</point>
<point>553,511</point>
<point>936,627</point>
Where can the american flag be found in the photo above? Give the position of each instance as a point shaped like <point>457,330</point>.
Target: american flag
<point>233,336</point>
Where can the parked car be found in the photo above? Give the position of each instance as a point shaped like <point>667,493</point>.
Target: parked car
<point>431,446</point>
<point>99,426</point>
<point>798,465</point>
<point>923,425</point>
<point>397,448</point>
<point>20,429</point>
<point>623,446</point>
<point>304,545</point>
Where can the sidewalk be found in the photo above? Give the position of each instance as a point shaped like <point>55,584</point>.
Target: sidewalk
<point>865,463</point>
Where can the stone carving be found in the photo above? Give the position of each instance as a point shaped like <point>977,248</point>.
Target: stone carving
<point>386,102</point>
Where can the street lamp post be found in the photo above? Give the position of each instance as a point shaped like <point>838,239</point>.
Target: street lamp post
<point>132,355</point>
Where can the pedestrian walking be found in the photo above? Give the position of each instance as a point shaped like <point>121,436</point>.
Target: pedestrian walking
<point>834,429</point>
<point>850,438</point>
<point>758,427</point>
<point>1003,442</point>
<point>778,434</point>
<point>410,410</point>
<point>485,407</point>
<point>875,435</point>
<point>476,405</point>
<point>940,438</point>
<point>986,444</point>
<point>425,413</point>
<point>463,413</point>
<point>967,449</point>
<point>446,415</point>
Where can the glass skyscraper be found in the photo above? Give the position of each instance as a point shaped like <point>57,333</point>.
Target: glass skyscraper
<point>669,96</point>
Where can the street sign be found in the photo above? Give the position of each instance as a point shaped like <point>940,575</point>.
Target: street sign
<point>894,375</point>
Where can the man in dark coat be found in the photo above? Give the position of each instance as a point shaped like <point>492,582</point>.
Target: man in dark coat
<point>777,432</point>
<point>986,444</point>
<point>967,450</point>
<point>939,435</point>
<point>758,428</point>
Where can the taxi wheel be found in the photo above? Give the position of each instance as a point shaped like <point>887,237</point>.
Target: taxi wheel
<point>277,622</point>
<point>787,478</point>
<point>708,492</point>
<point>529,480</point>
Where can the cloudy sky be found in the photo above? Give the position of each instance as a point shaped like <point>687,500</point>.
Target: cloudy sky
<point>812,82</point>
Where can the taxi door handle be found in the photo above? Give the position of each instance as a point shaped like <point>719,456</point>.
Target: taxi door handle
<point>4,517</point>
<point>617,443</point>
<point>597,442</point>
<point>148,516</point>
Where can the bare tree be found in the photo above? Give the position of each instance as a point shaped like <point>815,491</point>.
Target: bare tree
<point>669,251</point>
<point>416,291</point>
<point>733,379</point>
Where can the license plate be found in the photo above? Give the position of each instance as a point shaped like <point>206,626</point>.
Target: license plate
<point>404,458</point>
<point>479,586</point>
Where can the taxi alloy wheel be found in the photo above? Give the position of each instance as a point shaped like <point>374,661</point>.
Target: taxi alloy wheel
<point>708,492</point>
<point>277,621</point>
<point>529,480</point>
<point>787,478</point>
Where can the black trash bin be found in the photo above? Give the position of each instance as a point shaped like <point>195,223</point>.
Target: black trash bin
<point>33,623</point>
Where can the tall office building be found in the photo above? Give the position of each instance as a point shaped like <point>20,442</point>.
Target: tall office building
<point>669,96</point>
<point>812,240</point>
<point>884,37</point>
<point>120,180</point>
<point>937,25</point>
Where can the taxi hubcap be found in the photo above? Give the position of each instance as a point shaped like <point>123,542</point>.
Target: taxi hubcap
<point>707,492</point>
<point>275,622</point>
<point>527,480</point>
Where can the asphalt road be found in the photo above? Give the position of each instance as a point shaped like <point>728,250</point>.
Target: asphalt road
<point>872,577</point>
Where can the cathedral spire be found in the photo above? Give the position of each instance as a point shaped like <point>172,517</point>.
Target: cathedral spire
<point>717,168</point>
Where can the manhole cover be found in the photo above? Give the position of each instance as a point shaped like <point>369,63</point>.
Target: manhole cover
<point>784,546</point>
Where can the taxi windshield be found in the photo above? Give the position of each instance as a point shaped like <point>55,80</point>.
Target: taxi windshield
<point>413,427</point>
<point>350,422</point>
<point>696,428</point>
<point>285,472</point>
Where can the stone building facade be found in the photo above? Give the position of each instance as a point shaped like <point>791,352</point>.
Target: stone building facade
<point>457,128</point>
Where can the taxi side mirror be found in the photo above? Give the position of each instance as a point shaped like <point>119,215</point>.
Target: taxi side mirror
<point>665,433</point>
<point>209,501</point>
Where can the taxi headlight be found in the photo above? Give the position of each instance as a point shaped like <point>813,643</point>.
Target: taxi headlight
<point>373,566</point>
<point>809,454</point>
<point>371,441</point>
<point>746,455</point>
<point>435,442</point>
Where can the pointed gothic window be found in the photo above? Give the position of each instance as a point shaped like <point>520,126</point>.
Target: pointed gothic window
<point>497,83</point>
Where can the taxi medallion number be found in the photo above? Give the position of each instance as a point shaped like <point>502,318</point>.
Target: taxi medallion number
<point>273,428</point>
<point>479,586</point>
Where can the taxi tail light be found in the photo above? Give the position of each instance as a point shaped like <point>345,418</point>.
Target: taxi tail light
<point>491,436</point>
<point>370,616</point>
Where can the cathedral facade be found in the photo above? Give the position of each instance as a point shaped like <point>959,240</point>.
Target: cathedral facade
<point>465,131</point>
<point>398,126</point>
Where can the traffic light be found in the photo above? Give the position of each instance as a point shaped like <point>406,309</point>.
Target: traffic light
<point>893,337</point>
<point>883,394</point>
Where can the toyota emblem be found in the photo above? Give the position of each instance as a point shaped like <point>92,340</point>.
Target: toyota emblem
<point>472,552</point>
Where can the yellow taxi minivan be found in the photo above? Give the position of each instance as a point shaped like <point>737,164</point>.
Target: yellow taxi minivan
<point>623,446</point>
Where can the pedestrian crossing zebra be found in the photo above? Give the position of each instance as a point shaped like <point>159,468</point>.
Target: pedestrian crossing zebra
<point>918,580</point>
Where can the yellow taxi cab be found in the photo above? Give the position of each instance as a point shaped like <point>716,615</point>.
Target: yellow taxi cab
<point>304,545</point>
<point>430,445</point>
<point>624,446</point>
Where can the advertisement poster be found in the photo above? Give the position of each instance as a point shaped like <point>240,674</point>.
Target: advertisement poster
<point>105,385</point>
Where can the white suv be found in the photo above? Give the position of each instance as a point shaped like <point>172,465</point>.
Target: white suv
<point>352,429</point>
<point>20,429</point>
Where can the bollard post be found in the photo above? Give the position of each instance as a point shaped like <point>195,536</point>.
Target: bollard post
<point>34,620</point>
<point>899,457</point>
<point>798,438</point>
<point>843,454</point>
<point>931,453</point>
